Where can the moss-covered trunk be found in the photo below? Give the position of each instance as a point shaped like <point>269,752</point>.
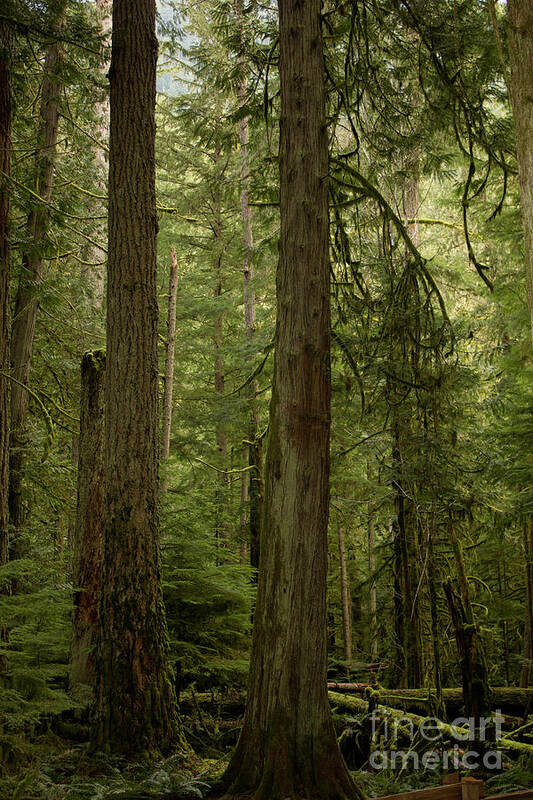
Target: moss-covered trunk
<point>135,701</point>
<point>526,676</point>
<point>474,671</point>
<point>287,747</point>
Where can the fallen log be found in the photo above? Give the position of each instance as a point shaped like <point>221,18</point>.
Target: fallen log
<point>505,698</point>
<point>357,688</point>
<point>359,706</point>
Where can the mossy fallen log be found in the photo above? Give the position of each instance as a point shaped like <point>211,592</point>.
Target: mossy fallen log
<point>508,699</point>
<point>357,705</point>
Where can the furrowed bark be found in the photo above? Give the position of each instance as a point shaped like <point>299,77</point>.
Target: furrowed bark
<point>288,747</point>
<point>135,700</point>
<point>89,529</point>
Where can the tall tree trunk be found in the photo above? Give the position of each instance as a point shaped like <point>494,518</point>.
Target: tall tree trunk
<point>408,608</point>
<point>27,301</point>
<point>89,529</point>
<point>287,747</point>
<point>435,622</point>
<point>135,700</point>
<point>345,597</point>
<point>526,676</point>
<point>95,272</point>
<point>410,652</point>
<point>254,476</point>
<point>502,587</point>
<point>474,672</point>
<point>520,17</point>
<point>372,572</point>
<point>5,162</point>
<point>244,519</point>
<point>169,359</point>
<point>221,490</point>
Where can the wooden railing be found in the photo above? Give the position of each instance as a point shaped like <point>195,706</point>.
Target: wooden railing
<point>454,788</point>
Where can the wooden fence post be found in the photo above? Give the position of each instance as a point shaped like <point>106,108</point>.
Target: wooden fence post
<point>471,789</point>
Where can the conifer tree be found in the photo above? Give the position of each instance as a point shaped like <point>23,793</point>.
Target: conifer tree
<point>135,701</point>
<point>27,302</point>
<point>288,747</point>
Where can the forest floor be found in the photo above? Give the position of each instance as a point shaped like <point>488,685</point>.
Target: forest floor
<point>55,771</point>
<point>55,764</point>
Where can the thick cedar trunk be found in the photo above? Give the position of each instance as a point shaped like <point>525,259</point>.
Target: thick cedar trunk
<point>95,272</point>
<point>474,673</point>
<point>135,701</point>
<point>169,359</point>
<point>345,597</point>
<point>287,747</point>
<point>5,160</point>
<point>520,17</point>
<point>27,302</point>
<point>89,528</point>
<point>526,676</point>
<point>254,491</point>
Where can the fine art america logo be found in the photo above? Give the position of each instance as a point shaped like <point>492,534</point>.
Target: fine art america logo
<point>474,746</point>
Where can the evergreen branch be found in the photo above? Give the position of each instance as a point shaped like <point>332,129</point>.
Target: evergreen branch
<point>257,371</point>
<point>53,34</point>
<point>100,144</point>
<point>419,260</point>
<point>46,203</point>
<point>69,182</point>
<point>35,396</point>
